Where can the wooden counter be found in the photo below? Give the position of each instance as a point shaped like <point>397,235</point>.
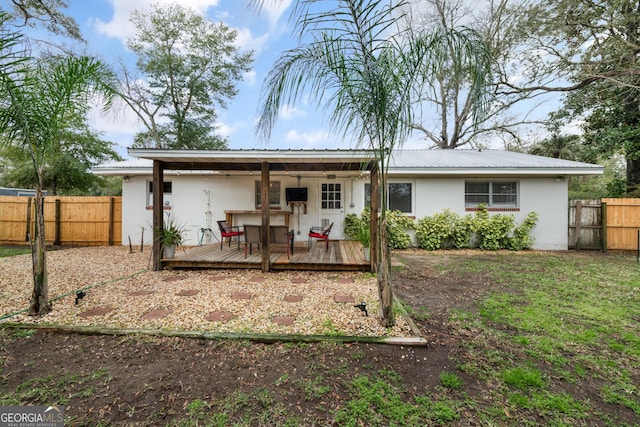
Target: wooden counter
<point>229,214</point>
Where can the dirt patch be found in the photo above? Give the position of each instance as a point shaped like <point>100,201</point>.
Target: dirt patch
<point>153,381</point>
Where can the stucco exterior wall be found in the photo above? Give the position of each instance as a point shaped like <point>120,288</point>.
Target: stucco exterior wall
<point>546,196</point>
<point>194,196</point>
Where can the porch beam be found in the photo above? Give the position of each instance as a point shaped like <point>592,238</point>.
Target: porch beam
<point>158,196</point>
<point>264,200</point>
<point>274,167</point>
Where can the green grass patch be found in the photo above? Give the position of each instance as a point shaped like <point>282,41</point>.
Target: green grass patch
<point>7,251</point>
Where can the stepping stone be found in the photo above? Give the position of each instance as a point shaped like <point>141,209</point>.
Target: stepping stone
<point>283,320</point>
<point>298,280</point>
<point>343,298</point>
<point>156,314</point>
<point>344,280</point>
<point>141,293</point>
<point>217,278</point>
<point>257,279</point>
<point>173,279</point>
<point>293,298</point>
<point>241,295</point>
<point>220,316</point>
<point>98,311</point>
<point>188,292</point>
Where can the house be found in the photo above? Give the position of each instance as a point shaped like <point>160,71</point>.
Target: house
<point>318,187</point>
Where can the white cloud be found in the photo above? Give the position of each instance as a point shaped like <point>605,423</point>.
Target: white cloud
<point>309,139</point>
<point>120,27</point>
<point>288,112</point>
<point>274,10</point>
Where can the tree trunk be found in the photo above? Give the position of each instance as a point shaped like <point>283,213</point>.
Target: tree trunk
<point>385,293</point>
<point>633,177</point>
<point>40,303</point>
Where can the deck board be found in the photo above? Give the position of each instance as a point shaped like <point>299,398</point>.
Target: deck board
<point>343,255</point>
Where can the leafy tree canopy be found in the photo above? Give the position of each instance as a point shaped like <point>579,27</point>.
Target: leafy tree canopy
<point>190,66</point>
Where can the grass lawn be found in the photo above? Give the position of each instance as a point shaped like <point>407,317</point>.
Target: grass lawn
<point>552,339</point>
<point>13,250</point>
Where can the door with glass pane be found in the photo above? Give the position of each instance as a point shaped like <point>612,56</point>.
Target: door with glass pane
<point>332,207</point>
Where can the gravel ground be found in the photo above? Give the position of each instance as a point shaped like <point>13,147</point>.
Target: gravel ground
<point>118,283</point>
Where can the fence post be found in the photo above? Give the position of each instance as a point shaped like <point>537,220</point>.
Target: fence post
<point>603,237</point>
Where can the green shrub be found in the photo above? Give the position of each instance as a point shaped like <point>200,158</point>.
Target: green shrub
<point>397,224</point>
<point>448,230</point>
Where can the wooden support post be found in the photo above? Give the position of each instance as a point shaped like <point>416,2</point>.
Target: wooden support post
<point>265,237</point>
<point>158,199</point>
<point>374,218</point>
<point>56,230</point>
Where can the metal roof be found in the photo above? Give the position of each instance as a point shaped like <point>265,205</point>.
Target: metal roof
<point>403,162</point>
<point>484,162</point>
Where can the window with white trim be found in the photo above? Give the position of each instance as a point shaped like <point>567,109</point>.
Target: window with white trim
<point>493,194</point>
<point>274,194</point>
<point>166,198</point>
<point>399,196</point>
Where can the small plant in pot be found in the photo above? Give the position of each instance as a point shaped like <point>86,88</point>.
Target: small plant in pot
<point>171,236</point>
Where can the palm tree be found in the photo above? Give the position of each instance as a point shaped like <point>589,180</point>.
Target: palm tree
<point>558,146</point>
<point>363,69</point>
<point>41,101</point>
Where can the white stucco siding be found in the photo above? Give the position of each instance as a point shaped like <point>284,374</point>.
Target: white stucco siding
<point>550,199</point>
<point>194,196</point>
<point>546,196</point>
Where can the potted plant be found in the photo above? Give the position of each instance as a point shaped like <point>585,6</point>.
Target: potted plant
<point>171,236</point>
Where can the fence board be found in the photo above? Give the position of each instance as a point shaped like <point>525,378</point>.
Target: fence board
<point>623,223</point>
<point>585,229</point>
<point>82,220</point>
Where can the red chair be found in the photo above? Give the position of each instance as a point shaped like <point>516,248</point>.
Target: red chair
<point>320,233</point>
<point>228,231</point>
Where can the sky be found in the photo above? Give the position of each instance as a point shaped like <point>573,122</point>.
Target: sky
<point>106,27</point>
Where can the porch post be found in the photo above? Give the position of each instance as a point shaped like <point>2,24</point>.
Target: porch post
<point>266,250</point>
<point>373,176</point>
<point>158,196</point>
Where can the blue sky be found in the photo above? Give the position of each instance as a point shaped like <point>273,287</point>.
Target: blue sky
<point>106,27</point>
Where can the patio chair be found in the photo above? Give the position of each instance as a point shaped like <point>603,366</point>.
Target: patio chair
<point>280,235</point>
<point>320,233</point>
<point>252,234</point>
<point>228,231</point>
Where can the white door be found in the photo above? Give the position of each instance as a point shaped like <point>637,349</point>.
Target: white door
<point>332,207</point>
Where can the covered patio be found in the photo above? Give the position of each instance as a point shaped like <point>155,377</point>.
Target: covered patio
<point>343,255</point>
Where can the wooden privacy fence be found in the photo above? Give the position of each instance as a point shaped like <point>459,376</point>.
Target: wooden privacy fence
<point>69,220</point>
<point>607,224</point>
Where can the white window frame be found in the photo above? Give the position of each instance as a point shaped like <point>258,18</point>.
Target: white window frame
<point>258,194</point>
<point>492,194</point>
<point>367,195</point>
<point>166,196</point>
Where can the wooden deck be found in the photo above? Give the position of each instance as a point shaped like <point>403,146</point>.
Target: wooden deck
<point>343,255</point>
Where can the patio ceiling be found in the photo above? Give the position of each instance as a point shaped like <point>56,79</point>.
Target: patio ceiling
<point>252,160</point>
